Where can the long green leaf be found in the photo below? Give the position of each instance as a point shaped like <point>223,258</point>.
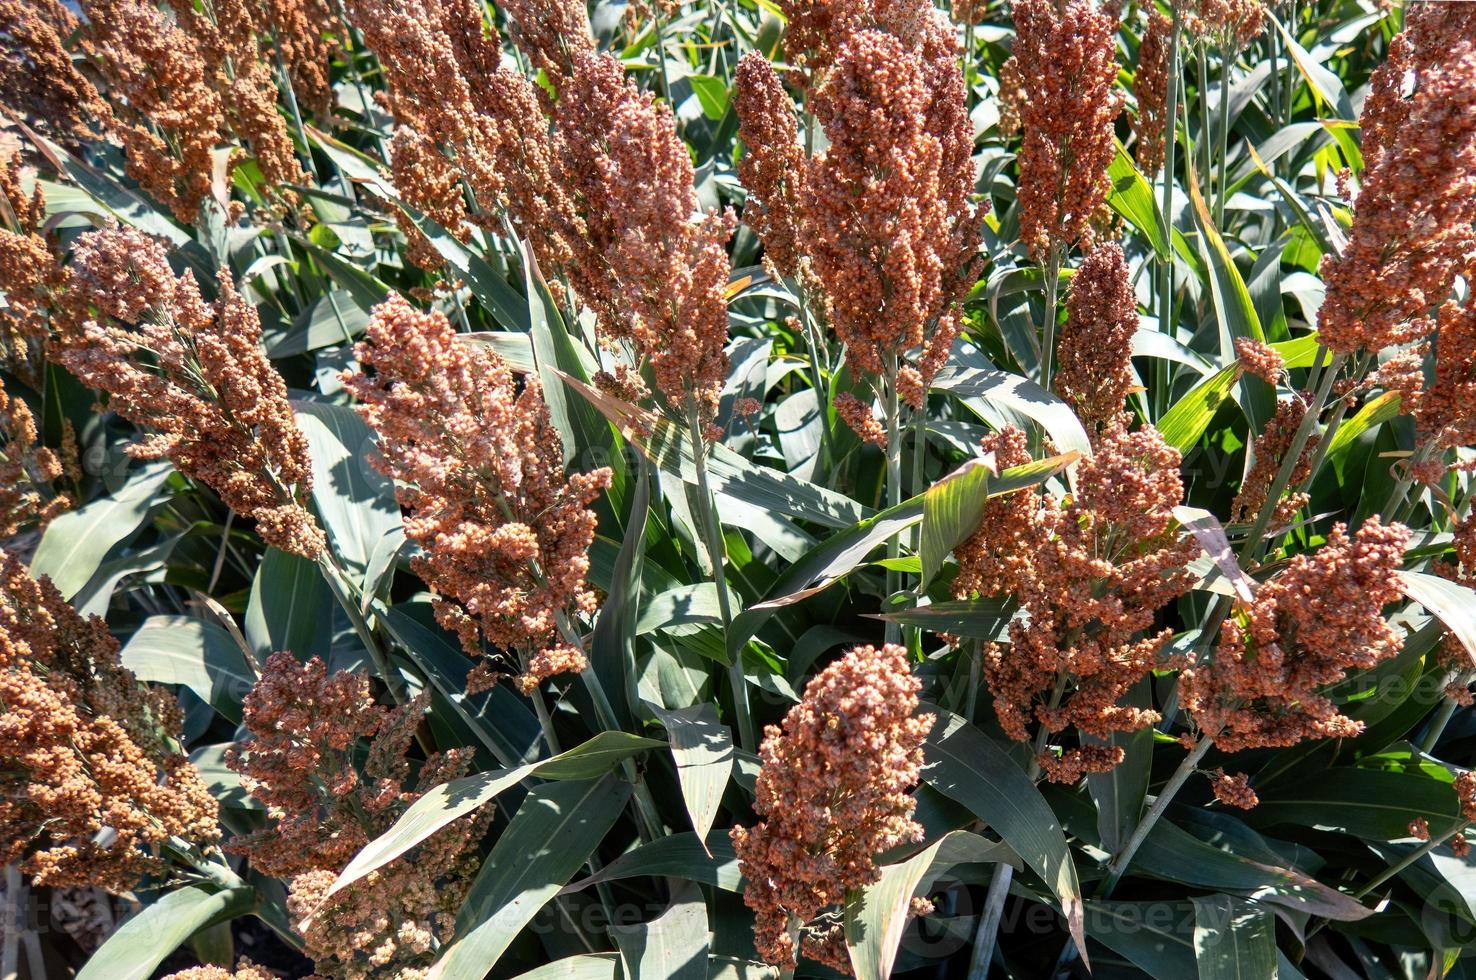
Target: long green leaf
<point>1452,603</point>
<point>875,916</point>
<point>290,606</point>
<point>951,511</point>
<point>702,747</point>
<point>965,764</point>
<point>77,541</point>
<point>356,502</point>
<point>192,653</point>
<point>685,855</point>
<point>1183,424</point>
<point>450,801</point>
<point>555,830</point>
<point>1233,939</point>
<point>135,951</point>
<point>673,946</point>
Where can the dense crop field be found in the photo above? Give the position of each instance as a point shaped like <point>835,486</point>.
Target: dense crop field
<point>739,489</point>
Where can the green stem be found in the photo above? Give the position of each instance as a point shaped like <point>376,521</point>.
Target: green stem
<point>1052,272</point>
<point>894,483</point>
<point>1221,191</point>
<point>999,884</point>
<point>1181,775</point>
<point>1442,718</point>
<point>1410,859</point>
<point>343,591</point>
<point>1170,146</point>
<point>712,530</point>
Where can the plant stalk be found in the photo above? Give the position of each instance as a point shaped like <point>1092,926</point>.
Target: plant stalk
<point>1124,857</point>
<point>712,530</point>
<point>1170,146</point>
<point>894,482</point>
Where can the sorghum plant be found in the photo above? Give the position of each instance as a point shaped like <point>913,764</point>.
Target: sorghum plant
<point>546,488</point>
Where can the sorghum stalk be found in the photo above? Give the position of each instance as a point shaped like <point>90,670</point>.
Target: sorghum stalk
<point>1124,857</point>
<point>343,591</point>
<point>1221,192</point>
<point>717,553</point>
<point>1170,144</point>
<point>894,482</point>
<point>999,883</point>
<point>1051,268</point>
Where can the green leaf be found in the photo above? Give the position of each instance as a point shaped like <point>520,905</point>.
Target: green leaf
<point>290,607</point>
<point>1133,198</point>
<point>875,916</point>
<point>974,619</point>
<point>951,512</point>
<point>840,554</point>
<point>355,501</point>
<point>711,861</point>
<point>673,946</point>
<point>1233,939</point>
<point>555,830</point>
<point>450,801</point>
<point>669,446</point>
<point>1119,793</point>
<point>712,93</point>
<point>223,784</point>
<point>1374,804</point>
<point>147,939</point>
<point>702,747</point>
<point>963,763</point>
<point>191,653</point>
<point>1183,424</point>
<point>77,541</point>
<point>612,645</point>
<point>1450,602</point>
<point>1173,854</point>
<point>1149,934</point>
<point>589,966</point>
<point>1373,412</point>
<point>500,719</point>
<point>1019,395</point>
<point>335,318</point>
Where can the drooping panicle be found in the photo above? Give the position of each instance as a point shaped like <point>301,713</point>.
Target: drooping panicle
<point>1095,349</point>
<point>169,117</point>
<point>327,794</point>
<point>1268,452</point>
<point>92,778</point>
<point>1067,67</point>
<point>39,85</point>
<point>28,471</point>
<point>30,276</point>
<point>506,534</point>
<point>1317,619</point>
<point>194,374</point>
<point>1150,86</point>
<point>772,168</point>
<point>306,34</point>
<point>1091,575</point>
<point>832,792</point>
<point>1414,220</point>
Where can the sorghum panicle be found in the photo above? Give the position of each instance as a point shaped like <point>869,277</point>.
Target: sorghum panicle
<point>300,762</point>
<point>1317,619</point>
<point>1067,66</point>
<point>1267,453</point>
<point>772,168</point>
<point>169,117</point>
<point>39,85</point>
<point>305,33</point>
<point>1150,85</point>
<point>194,373</point>
<point>651,264</point>
<point>892,236</point>
<point>92,779</point>
<point>27,471</point>
<point>1091,576</point>
<point>1230,24</point>
<point>1414,221</point>
<point>832,792</point>
<point>1095,349</point>
<point>30,276</point>
<point>481,471</point>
